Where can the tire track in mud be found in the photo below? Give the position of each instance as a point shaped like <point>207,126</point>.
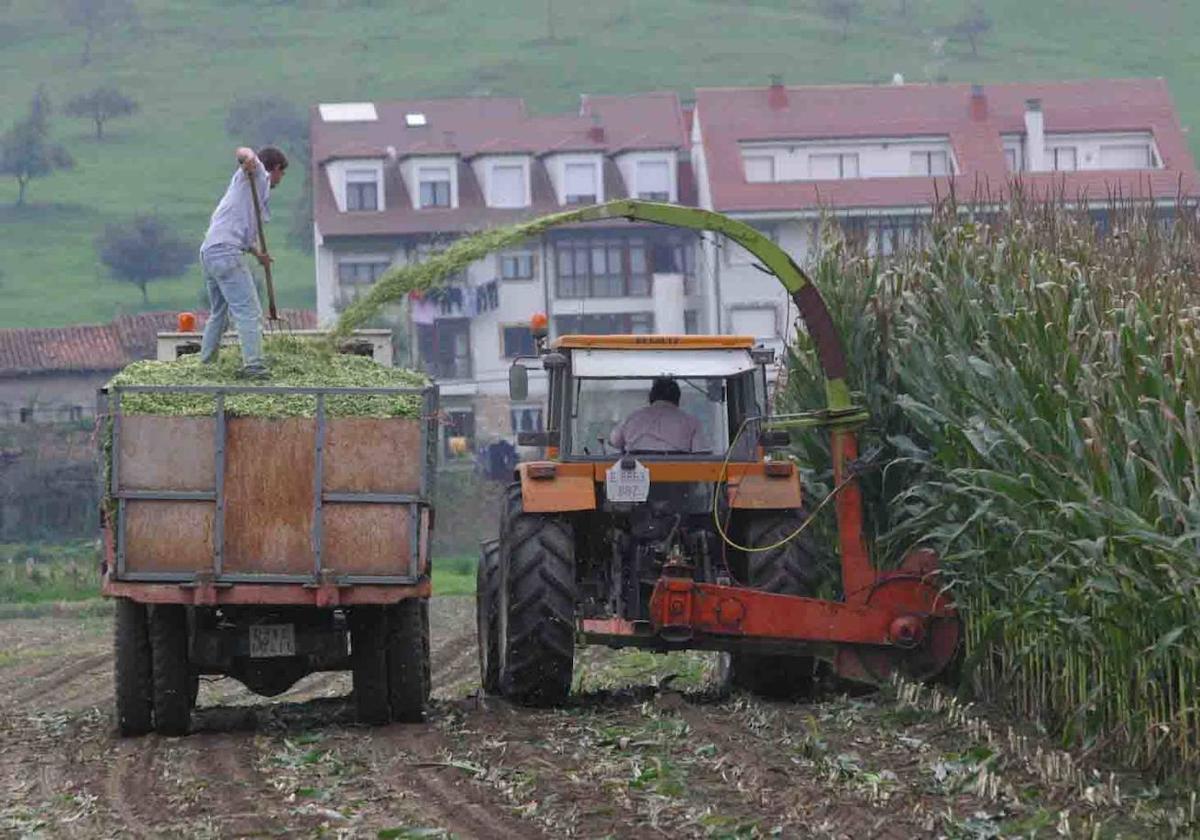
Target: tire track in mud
<point>49,680</point>
<point>130,784</point>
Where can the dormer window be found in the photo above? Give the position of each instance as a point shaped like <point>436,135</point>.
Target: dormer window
<point>581,183</point>
<point>929,163</point>
<point>507,186</point>
<point>833,167</point>
<point>362,189</point>
<point>653,180</point>
<point>760,169</point>
<point>435,186</point>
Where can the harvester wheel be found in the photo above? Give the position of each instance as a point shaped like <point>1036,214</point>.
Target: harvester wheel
<point>172,674</point>
<point>537,610</point>
<point>786,570</point>
<point>408,673</point>
<point>487,584</point>
<point>131,657</point>
<point>369,663</point>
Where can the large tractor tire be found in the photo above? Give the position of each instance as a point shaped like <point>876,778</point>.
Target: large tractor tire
<point>786,570</point>
<point>408,673</point>
<point>369,664</point>
<point>132,669</point>
<point>171,672</point>
<point>537,610</point>
<point>487,621</point>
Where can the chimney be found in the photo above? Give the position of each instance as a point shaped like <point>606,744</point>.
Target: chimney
<point>596,132</point>
<point>979,106</point>
<point>1035,136</point>
<point>777,97</point>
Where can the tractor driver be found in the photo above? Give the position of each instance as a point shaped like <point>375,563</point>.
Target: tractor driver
<point>661,426</point>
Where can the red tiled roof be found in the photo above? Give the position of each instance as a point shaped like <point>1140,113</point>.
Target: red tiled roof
<point>730,116</point>
<point>477,126</point>
<point>100,347</point>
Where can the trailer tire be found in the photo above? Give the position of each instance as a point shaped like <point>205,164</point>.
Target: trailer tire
<point>408,674</point>
<point>487,622</point>
<point>786,570</point>
<point>537,636</point>
<point>132,669</point>
<point>171,671</point>
<point>369,664</point>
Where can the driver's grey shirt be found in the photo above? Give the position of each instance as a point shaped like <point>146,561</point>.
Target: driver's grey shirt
<point>232,224</point>
<point>661,426</point>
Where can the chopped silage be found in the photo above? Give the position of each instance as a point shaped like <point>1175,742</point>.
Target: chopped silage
<point>291,362</point>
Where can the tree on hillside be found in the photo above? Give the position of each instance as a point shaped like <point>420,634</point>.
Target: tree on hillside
<point>101,105</point>
<point>974,24</point>
<point>142,251</point>
<point>841,11</point>
<point>26,150</point>
<point>267,121</point>
<point>94,17</point>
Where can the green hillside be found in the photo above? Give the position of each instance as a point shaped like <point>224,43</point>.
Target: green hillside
<point>185,61</point>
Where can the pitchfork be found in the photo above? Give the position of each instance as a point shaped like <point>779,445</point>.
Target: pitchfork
<point>273,319</point>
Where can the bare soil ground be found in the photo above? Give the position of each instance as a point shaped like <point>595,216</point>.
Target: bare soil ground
<point>647,748</point>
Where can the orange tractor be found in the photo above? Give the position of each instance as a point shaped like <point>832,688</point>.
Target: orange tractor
<point>701,547</point>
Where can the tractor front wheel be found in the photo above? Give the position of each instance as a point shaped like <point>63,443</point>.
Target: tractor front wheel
<point>537,609</point>
<point>487,585</point>
<point>787,569</point>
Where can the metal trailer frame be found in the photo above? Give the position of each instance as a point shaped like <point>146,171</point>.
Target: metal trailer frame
<point>217,585</point>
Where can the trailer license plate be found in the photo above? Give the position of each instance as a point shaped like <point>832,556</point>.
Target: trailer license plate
<point>627,485</point>
<point>268,640</point>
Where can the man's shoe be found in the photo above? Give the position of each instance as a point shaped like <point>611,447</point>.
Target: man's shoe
<point>254,372</point>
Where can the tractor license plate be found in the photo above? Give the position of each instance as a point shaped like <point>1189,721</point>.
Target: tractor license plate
<point>267,640</point>
<point>627,485</point>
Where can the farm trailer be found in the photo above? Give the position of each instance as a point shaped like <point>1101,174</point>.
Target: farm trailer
<point>267,549</point>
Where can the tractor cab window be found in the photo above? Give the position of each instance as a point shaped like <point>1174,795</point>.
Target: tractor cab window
<point>599,406</point>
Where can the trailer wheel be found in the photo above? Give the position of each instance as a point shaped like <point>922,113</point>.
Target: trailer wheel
<point>487,584</point>
<point>408,674</point>
<point>537,612</point>
<point>131,658</point>
<point>172,673</point>
<point>369,663</point>
<point>786,570</point>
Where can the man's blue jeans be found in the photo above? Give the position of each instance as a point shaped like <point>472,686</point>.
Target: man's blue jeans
<point>231,293</point>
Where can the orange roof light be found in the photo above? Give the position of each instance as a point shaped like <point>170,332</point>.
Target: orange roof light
<point>539,325</point>
<point>186,322</point>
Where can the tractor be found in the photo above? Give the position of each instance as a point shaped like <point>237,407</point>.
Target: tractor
<point>705,547</point>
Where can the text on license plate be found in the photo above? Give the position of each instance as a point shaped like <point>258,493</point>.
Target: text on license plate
<point>627,485</point>
<point>268,640</point>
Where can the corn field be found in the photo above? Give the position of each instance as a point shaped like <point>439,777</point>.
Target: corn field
<point>1034,384</point>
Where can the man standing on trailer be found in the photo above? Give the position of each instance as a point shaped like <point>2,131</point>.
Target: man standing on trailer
<point>232,231</point>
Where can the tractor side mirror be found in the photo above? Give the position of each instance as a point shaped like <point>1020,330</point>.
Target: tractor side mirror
<point>774,438</point>
<point>518,382</point>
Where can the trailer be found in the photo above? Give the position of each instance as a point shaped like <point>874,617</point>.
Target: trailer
<point>267,549</point>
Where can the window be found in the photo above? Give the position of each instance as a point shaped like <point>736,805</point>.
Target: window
<point>832,167</point>
<point>360,272</point>
<point>929,163</point>
<point>617,323</point>
<point>691,322</point>
<point>362,189</point>
<point>579,183</point>
<point>458,433</point>
<point>1064,159</point>
<point>76,413</point>
<point>516,340</point>
<point>759,168</point>
<point>1132,156</point>
<point>508,186</point>
<point>1011,161</point>
<point>653,180</point>
<point>526,419</point>
<point>435,186</point>
<point>608,267</point>
<point>27,414</point>
<point>444,348</point>
<point>516,266</point>
<point>759,322</point>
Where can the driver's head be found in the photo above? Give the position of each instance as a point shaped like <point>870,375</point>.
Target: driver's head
<point>665,388</point>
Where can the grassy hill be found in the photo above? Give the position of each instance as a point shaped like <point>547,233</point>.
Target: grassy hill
<point>187,60</point>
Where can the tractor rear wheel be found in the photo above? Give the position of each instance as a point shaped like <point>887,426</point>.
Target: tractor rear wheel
<point>788,569</point>
<point>487,595</point>
<point>131,656</point>
<point>369,664</point>
<point>537,609</point>
<point>408,674</point>
<point>171,672</point>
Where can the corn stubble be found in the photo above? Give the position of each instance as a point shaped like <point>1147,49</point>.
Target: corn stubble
<point>1035,386</point>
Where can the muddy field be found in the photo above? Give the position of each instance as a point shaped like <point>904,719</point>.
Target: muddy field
<point>648,749</point>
